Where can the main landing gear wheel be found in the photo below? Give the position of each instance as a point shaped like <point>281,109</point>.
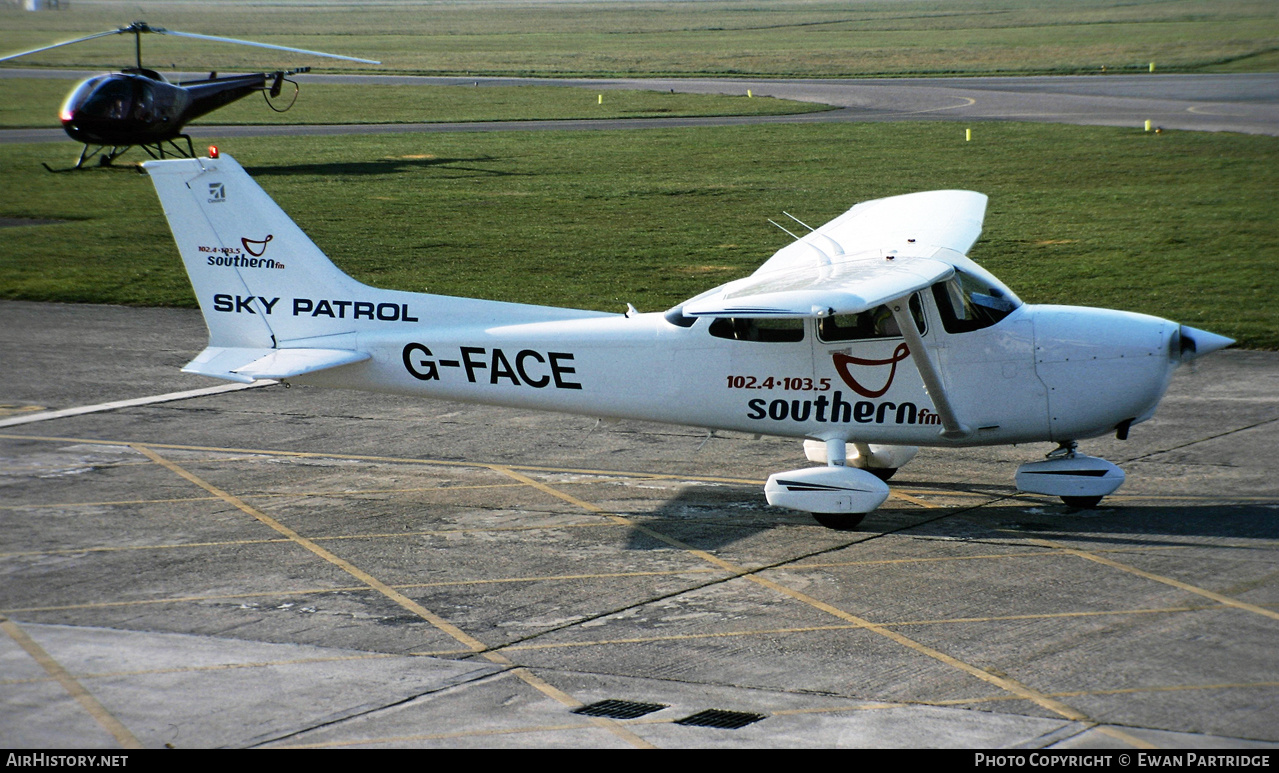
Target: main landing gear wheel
<point>1083,503</point>
<point>839,521</point>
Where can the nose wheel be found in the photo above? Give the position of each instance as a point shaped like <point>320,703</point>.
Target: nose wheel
<point>839,521</point>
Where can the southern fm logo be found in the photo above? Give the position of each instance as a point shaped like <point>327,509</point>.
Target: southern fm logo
<point>836,410</point>
<point>217,193</point>
<point>842,361</point>
<point>248,255</point>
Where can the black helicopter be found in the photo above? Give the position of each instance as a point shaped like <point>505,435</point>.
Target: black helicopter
<point>139,106</point>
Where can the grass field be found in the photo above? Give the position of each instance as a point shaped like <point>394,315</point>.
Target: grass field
<point>1179,224</point>
<point>747,37</point>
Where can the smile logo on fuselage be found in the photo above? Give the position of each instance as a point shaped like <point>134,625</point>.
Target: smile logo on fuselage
<point>842,361</point>
<point>249,245</point>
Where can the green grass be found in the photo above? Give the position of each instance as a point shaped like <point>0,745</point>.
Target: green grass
<point>747,37</point>
<point>1179,224</point>
<point>34,102</point>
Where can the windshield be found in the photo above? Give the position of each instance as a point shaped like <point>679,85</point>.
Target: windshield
<point>107,98</point>
<point>967,302</point>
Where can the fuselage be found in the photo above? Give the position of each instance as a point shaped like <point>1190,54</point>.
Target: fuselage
<point>1039,373</point>
<point>140,107</point>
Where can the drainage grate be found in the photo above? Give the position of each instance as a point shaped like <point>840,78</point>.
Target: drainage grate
<point>619,709</point>
<point>726,720</point>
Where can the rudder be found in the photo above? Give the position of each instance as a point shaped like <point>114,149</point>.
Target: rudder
<point>247,260</point>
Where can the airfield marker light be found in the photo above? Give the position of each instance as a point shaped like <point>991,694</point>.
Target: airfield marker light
<point>213,151</point>
<point>601,99</point>
<point>1147,124</point>
<point>749,95</point>
<point>968,135</point>
<point>1152,66</point>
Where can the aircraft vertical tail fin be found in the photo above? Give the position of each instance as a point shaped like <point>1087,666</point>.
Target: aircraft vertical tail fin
<point>256,275</point>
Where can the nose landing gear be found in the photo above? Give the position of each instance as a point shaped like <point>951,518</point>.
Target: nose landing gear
<point>1078,479</point>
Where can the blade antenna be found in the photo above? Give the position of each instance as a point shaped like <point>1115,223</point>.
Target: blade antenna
<point>788,233</point>
<point>797,220</point>
<point>825,259</point>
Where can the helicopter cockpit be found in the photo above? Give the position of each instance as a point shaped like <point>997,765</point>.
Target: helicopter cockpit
<point>115,108</point>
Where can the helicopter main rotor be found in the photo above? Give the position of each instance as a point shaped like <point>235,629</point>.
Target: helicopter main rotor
<point>139,27</point>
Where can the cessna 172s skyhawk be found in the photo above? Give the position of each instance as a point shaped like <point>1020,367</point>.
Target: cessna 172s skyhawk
<point>873,333</point>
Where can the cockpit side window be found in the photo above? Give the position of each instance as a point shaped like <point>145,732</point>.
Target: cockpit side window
<point>752,329</point>
<point>967,303</point>
<point>876,323</point>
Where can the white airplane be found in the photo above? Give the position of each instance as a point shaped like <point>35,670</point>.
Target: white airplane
<point>868,337</point>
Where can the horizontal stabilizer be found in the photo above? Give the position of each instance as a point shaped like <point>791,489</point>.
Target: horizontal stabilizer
<point>848,287</point>
<point>246,365</point>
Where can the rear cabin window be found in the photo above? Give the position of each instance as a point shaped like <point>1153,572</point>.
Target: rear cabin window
<point>767,330</point>
<point>876,323</point>
<point>967,303</point>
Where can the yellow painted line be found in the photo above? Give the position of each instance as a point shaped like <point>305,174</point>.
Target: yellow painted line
<point>435,736</point>
<point>115,503</point>
<point>475,645</point>
<point>1120,735</point>
<point>1219,598</point>
<point>1172,688</point>
<point>11,409</point>
<point>334,538</point>
<point>840,709</point>
<point>82,696</point>
<point>848,627</point>
<point>980,557</point>
<point>218,667</point>
<point>895,494</point>
<point>386,459</point>
<point>311,546</point>
<point>1002,682</point>
<point>576,471</point>
<point>353,589</point>
<point>1125,691</point>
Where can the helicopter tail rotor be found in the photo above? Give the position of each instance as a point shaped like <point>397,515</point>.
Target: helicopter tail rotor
<point>278,79</point>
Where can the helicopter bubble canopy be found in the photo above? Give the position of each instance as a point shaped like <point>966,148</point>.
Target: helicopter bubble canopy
<point>117,107</point>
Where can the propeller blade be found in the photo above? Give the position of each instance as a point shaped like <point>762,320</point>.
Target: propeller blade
<point>260,45</point>
<point>64,43</point>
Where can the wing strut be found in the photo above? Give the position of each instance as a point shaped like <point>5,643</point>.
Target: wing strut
<point>952,427</point>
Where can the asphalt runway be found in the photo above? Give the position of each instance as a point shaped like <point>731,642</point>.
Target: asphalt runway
<point>272,567</point>
<point>1247,103</point>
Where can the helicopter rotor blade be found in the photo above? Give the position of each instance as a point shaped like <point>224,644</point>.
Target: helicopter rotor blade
<point>260,45</point>
<point>65,43</point>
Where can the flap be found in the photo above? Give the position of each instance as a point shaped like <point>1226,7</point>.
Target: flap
<point>849,287</point>
<point>246,365</point>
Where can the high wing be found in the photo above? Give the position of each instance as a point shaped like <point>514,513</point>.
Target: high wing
<point>877,251</point>
<point>849,287</point>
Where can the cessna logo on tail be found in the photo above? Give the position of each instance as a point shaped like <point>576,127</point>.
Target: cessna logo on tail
<point>842,361</point>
